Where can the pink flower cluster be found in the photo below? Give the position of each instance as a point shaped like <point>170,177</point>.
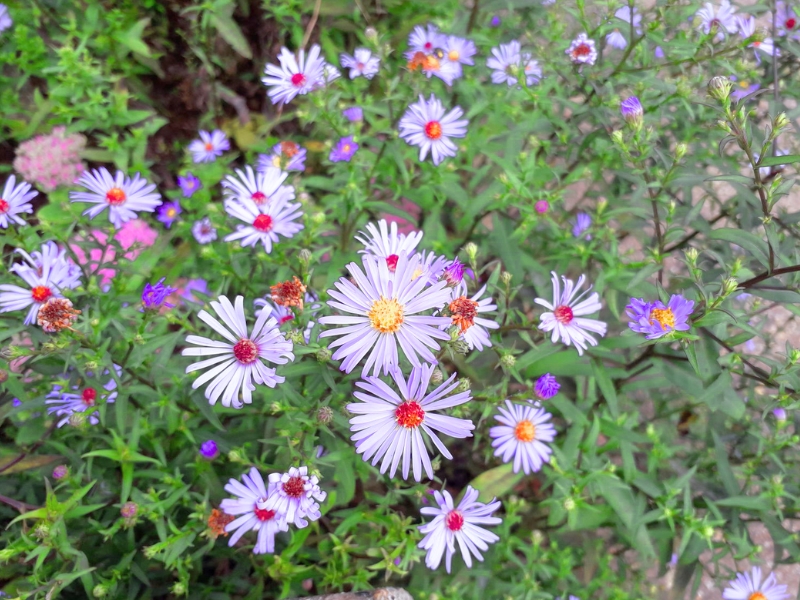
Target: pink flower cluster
<point>51,160</point>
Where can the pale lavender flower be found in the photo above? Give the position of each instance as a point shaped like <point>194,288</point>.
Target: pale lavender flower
<point>426,125</point>
<point>582,222</point>
<point>508,61</point>
<point>424,39</point>
<point>295,76</point>
<point>747,29</point>
<point>354,114</point>
<point>264,224</point>
<point>546,387</point>
<point>658,52</point>
<point>787,20</point>
<point>431,267</point>
<point>748,586</point>
<point>189,184</point>
<point>262,188</point>
<point>522,436</point>
<point>344,150</point>
<point>203,231</point>
<point>209,147</point>
<point>80,399</point>
<point>154,297</point>
<point>383,241</point>
<point>361,64</point>
<point>124,197</point>
<point>295,495</point>
<point>616,39</point>
<point>721,19</point>
<point>286,156</point>
<point>459,50</point>
<point>16,199</point>
<point>582,50</point>
<point>743,88</point>
<point>460,524</point>
<point>454,273</point>
<point>5,18</point>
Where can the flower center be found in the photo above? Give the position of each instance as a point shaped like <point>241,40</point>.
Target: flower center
<point>171,212</point>
<point>756,44</point>
<point>288,293</point>
<point>115,196</point>
<point>209,146</point>
<point>259,198</point>
<point>582,50</point>
<point>360,66</point>
<point>391,262</point>
<point>263,223</point>
<point>286,318</point>
<point>454,520</point>
<point>262,514</point>
<point>428,45</point>
<point>298,79</point>
<point>409,414</point>
<point>431,63</point>
<point>790,23</point>
<point>744,84</point>
<point>245,351</point>
<point>453,55</point>
<point>294,488</point>
<point>464,311</point>
<point>563,314</point>
<point>757,596</point>
<point>89,395</point>
<point>4,206</point>
<point>433,129</point>
<point>714,23</point>
<point>41,293</point>
<point>525,431</point>
<point>386,315</point>
<point>664,316</point>
<point>346,149</point>
<point>289,149</point>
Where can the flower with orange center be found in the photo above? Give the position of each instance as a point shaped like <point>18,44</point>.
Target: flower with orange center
<point>427,125</point>
<point>656,319</point>
<point>57,314</point>
<point>463,311</point>
<point>41,293</point>
<point>433,129</point>
<point>664,316</point>
<point>289,293</point>
<point>409,414</point>
<point>521,436</point>
<point>116,196</point>
<point>525,431</point>
<point>752,586</point>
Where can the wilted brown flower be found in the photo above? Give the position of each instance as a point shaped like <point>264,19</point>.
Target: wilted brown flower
<point>57,314</point>
<point>217,522</point>
<point>289,293</point>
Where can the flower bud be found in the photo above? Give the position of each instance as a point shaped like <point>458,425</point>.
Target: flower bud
<point>235,456</point>
<point>437,377</point>
<point>324,415</point>
<point>707,532</point>
<point>691,255</point>
<point>780,414</point>
<point>780,122</point>
<point>633,112</point>
<point>472,251</point>
<point>463,385</point>
<point>304,256</point>
<point>129,510</point>
<point>729,286</point>
<point>505,277</point>
<point>138,339</point>
<point>296,337</point>
<point>77,420</point>
<point>618,139</point>
<point>719,88</point>
<point>60,472</point>
<point>460,347</point>
<point>323,355</point>
<point>541,207</point>
<point>371,34</point>
<point>318,218</point>
<point>179,589</point>
<point>100,590</point>
<point>508,361</point>
<point>680,151</point>
<point>569,504</point>
<point>275,408</point>
<point>209,450</point>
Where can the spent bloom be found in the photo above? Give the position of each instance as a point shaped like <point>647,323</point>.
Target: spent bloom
<point>122,195</point>
<point>655,319</point>
<point>344,150</point>
<point>389,424</point>
<point>721,19</point>
<point>209,450</point>
<point>16,199</point>
<point>353,114</point>
<point>632,111</point>
<point>295,495</point>
<point>361,64</point>
<point>203,231</point>
<point>426,125</point>
<point>154,297</point>
<point>462,524</point>
<point>749,586</point>
<point>189,184</point>
<point>209,147</point>
<point>50,160</point>
<point>56,314</point>
<point>566,316</point>
<point>286,155</point>
<point>235,364</point>
<point>582,50</point>
<point>384,241</point>
<point>64,402</point>
<point>249,506</point>
<point>168,213</point>
<point>546,387</point>
<point>464,313</point>
<point>522,435</point>
<point>294,76</point>
<point>508,60</point>
<point>383,310</point>
<point>289,293</point>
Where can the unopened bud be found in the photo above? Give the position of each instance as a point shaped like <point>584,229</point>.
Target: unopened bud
<point>618,138</point>
<point>508,360</point>
<point>680,151</point>
<point>729,286</point>
<point>323,355</point>
<point>179,589</point>
<point>324,415</point>
<point>691,255</point>
<point>138,339</point>
<point>371,34</point>
<point>780,122</point>
<point>460,347</point>
<point>304,256</point>
<point>77,420</point>
<point>472,251</point>
<point>129,510</point>
<point>94,322</point>
<point>60,472</point>
<point>275,408</point>
<point>719,88</point>
<point>100,591</point>
<point>235,456</point>
<point>569,504</point>
<point>437,377</point>
<point>707,532</point>
<point>318,218</point>
<point>463,385</point>
<point>633,112</point>
<point>505,277</point>
<point>537,537</point>
<point>41,531</point>
<point>296,336</point>
<point>541,207</point>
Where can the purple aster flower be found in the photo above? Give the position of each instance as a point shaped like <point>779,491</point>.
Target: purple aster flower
<point>16,403</point>
<point>454,273</point>
<point>656,320</point>
<point>15,199</point>
<point>459,50</point>
<point>632,111</point>
<point>721,19</point>
<point>209,450</point>
<point>361,64</point>
<point>264,224</point>
<point>779,414</point>
<point>787,19</point>
<point>546,387</point>
<point>506,62</point>
<point>209,147</point>
<point>344,150</point>
<point>194,285</point>
<point>286,156</point>
<point>154,297</point>
<point>615,39</point>
<point>60,472</point>
<point>295,495</point>
<point>5,18</point>
<point>424,39</point>
<point>397,561</point>
<point>743,88</point>
<point>658,52</point>
<point>123,196</point>
<point>582,222</point>
<point>81,399</point>
<point>582,50</point>
<point>495,22</point>
<point>189,184</point>
<point>353,114</point>
<point>168,213</point>
<point>426,125</point>
<point>521,436</point>
<point>203,231</point>
<point>748,586</point>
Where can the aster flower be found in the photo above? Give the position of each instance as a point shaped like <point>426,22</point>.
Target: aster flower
<point>656,320</point>
<point>189,184</point>
<point>566,317</point>
<point>295,496</point>
<point>431,267</point>
<point>209,450</point>
<point>436,65</point>
<point>779,414</point>
<point>261,188</point>
<point>123,196</point>
<point>743,88</point>
<point>786,19</point>
<point>354,114</point>
<point>464,313</point>
<point>168,213</point>
<point>582,222</point>
<point>361,64</point>
<point>344,150</point>
<point>382,311</point>
<point>154,297</point>
<point>632,111</point>
<point>236,363</point>
<point>389,425</point>
<point>203,231</point>
<point>15,200</point>
<point>286,155</point>
<point>80,399</point>
<point>721,19</point>
<point>383,241</point>
<point>521,436</point>
<point>454,273</point>
<point>506,62</point>
<point>747,29</point>
<point>294,76</point>
<point>56,314</point>
<point>187,290</point>
<point>426,125</point>
<point>546,387</point>
<point>582,50</point>
<point>615,39</point>
<point>265,223</point>
<point>425,39</point>
<point>748,586</point>
<point>250,506</point>
<point>459,50</point>
<point>462,524</point>
<point>209,147</point>
<point>5,18</point>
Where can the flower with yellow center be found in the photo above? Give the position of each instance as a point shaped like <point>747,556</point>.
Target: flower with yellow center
<point>386,315</point>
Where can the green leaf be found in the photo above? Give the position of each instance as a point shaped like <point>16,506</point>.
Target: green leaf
<point>30,462</point>
<point>496,482</point>
<point>231,33</point>
<point>771,161</point>
<point>606,387</point>
<point>746,502</point>
<point>746,240</point>
<point>132,38</point>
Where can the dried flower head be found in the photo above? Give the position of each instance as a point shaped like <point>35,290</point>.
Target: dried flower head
<point>217,521</point>
<point>56,314</point>
<point>289,293</point>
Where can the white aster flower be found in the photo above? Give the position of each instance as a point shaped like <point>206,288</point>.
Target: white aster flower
<point>721,19</point>
<point>384,242</point>
<point>383,311</point>
<point>462,524</point>
<point>203,231</point>
<point>389,425</point>
<point>566,319</point>
<point>425,124</point>
<point>361,64</point>
<point>16,199</point>
<point>524,429</point>
<point>261,187</point>
<point>209,147</point>
<point>264,223</point>
<point>123,196</point>
<point>5,18</point>
<point>506,62</point>
<point>464,313</point>
<point>295,75</point>
<point>748,586</point>
<point>249,506</point>
<point>582,50</point>
<point>235,364</point>
<point>295,495</point>
<point>425,39</point>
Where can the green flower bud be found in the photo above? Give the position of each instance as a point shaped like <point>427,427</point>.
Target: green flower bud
<point>179,589</point>
<point>680,151</point>
<point>463,385</point>
<point>719,88</point>
<point>324,415</point>
<point>94,322</point>
<point>729,286</point>
<point>508,360</point>
<point>472,251</point>
<point>569,504</point>
<point>304,256</point>
<point>323,355</point>
<point>235,456</point>
<point>437,377</point>
<point>505,277</point>
<point>100,591</point>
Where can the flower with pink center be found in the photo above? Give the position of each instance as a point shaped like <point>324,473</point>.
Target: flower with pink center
<point>582,50</point>
<point>210,146</point>
<point>250,506</point>
<point>295,495</point>
<point>787,19</point>
<point>123,196</point>
<point>384,241</point>
<point>52,160</point>
<point>425,39</point>
<point>82,398</point>
<point>462,524</point>
<point>721,19</point>
<point>264,223</point>
<point>294,76</point>
<point>16,199</point>
<point>389,424</point>
<point>259,187</point>
<point>361,64</point>
<point>566,314</point>
<point>236,363</point>
<point>426,125</point>
<point>204,231</point>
